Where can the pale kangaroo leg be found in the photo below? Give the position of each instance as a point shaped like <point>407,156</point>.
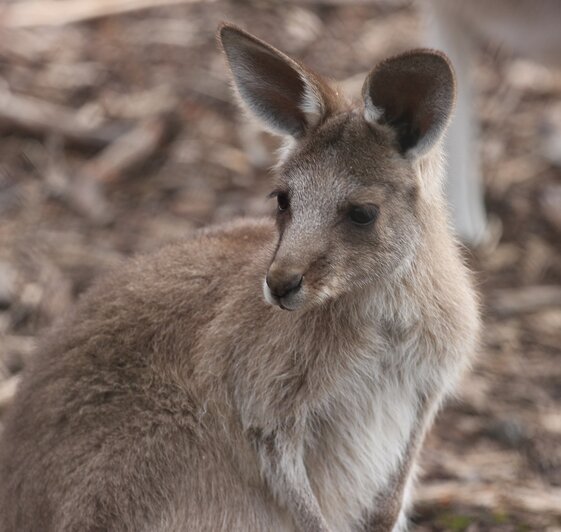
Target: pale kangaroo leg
<point>464,184</point>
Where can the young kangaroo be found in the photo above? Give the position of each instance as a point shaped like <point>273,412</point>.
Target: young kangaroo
<point>179,397</point>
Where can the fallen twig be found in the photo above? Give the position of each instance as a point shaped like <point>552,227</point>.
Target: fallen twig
<point>126,152</point>
<point>550,200</point>
<point>85,190</point>
<point>55,12</point>
<point>510,302</point>
<point>40,118</point>
<point>491,497</point>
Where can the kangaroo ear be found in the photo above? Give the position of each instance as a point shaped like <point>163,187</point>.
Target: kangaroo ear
<point>288,98</point>
<point>414,94</point>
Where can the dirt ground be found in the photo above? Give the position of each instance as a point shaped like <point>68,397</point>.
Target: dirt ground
<point>71,208</point>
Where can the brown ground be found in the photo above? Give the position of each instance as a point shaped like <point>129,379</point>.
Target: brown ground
<point>493,461</point>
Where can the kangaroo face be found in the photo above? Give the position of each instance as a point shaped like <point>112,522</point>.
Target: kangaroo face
<point>346,214</point>
<point>347,190</point>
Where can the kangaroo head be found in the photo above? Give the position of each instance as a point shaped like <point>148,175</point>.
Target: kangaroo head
<point>351,207</point>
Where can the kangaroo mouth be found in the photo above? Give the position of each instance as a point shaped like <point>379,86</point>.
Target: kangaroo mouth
<point>290,302</point>
<point>285,304</point>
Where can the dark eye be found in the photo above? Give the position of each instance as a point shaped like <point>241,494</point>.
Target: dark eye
<point>363,215</point>
<point>283,201</point>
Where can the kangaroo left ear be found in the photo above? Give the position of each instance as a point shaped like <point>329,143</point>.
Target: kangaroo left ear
<point>287,97</point>
<point>414,94</point>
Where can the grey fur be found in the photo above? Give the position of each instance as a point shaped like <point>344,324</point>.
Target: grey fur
<point>175,398</point>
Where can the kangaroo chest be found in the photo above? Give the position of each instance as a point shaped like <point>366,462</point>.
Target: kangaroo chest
<point>363,438</point>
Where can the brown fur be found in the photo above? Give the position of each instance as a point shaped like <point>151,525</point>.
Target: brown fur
<point>175,398</point>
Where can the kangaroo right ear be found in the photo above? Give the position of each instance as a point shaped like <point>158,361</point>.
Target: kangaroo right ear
<point>414,94</point>
<point>285,96</point>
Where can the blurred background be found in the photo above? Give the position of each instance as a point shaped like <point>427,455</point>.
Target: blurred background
<point>119,133</point>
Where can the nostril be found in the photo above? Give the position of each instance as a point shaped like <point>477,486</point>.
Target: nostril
<point>281,287</point>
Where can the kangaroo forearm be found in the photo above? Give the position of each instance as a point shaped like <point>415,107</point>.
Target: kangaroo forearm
<point>281,458</point>
<point>388,509</point>
<point>389,504</point>
<point>304,508</point>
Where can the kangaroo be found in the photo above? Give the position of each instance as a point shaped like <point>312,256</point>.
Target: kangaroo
<point>266,375</point>
<point>523,27</point>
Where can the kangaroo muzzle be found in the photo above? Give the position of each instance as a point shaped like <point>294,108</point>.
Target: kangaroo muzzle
<point>283,287</point>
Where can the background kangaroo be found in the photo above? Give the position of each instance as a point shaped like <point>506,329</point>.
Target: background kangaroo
<point>180,397</point>
<point>521,27</point>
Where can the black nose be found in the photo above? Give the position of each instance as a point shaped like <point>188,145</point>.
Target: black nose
<point>281,286</point>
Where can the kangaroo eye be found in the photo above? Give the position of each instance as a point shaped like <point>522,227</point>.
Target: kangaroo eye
<point>363,215</point>
<point>283,201</point>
